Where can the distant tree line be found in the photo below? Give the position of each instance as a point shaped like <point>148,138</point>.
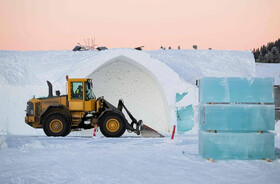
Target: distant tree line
<point>269,53</point>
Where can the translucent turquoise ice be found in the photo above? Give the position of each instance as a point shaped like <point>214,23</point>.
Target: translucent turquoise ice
<point>236,145</point>
<point>185,120</point>
<point>237,117</point>
<point>179,97</point>
<point>234,90</point>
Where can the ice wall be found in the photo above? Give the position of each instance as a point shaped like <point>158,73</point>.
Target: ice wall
<point>236,125</point>
<point>236,90</point>
<point>237,145</point>
<point>237,117</point>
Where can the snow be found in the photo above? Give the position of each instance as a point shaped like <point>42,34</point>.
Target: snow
<point>124,160</point>
<point>3,144</point>
<point>192,65</point>
<point>269,70</point>
<point>141,94</point>
<point>35,158</point>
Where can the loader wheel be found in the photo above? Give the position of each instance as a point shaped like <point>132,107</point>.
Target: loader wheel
<point>112,125</point>
<point>56,124</point>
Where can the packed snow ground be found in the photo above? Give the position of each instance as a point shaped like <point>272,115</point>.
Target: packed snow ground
<point>124,160</point>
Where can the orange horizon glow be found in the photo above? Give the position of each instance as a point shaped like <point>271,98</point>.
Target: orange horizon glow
<point>61,24</point>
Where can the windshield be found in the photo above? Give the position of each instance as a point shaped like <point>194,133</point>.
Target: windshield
<point>89,92</point>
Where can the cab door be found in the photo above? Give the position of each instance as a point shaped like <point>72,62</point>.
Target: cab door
<point>76,96</point>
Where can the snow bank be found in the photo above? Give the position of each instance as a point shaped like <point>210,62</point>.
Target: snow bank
<point>269,70</point>
<point>192,65</point>
<point>13,104</point>
<point>152,79</point>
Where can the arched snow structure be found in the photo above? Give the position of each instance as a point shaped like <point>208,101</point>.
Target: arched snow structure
<point>142,85</point>
<point>124,78</point>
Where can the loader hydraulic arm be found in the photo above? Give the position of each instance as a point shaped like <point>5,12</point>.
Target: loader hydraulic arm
<point>133,120</point>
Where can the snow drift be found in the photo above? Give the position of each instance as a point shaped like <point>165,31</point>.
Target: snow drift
<point>147,81</point>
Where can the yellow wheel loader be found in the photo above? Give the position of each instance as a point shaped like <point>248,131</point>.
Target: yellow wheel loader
<point>60,114</point>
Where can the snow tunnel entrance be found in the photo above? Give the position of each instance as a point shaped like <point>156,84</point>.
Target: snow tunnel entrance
<point>124,78</point>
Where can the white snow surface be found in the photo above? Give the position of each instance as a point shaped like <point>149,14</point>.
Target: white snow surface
<point>124,160</point>
<point>192,65</point>
<point>269,70</point>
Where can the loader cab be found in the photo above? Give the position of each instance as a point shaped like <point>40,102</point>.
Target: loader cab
<point>80,95</point>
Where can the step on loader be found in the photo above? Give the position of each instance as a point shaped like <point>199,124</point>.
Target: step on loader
<point>79,109</point>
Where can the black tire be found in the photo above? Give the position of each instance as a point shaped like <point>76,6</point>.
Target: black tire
<point>112,125</point>
<point>56,124</point>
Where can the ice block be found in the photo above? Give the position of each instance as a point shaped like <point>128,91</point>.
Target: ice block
<point>185,120</point>
<point>237,117</point>
<point>236,90</point>
<point>179,96</point>
<point>237,145</point>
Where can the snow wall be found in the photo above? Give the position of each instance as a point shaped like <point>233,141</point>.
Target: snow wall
<point>155,85</point>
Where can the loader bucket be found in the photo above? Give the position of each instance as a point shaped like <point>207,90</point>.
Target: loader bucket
<point>148,132</point>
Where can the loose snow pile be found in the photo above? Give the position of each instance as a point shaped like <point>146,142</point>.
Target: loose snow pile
<point>147,81</point>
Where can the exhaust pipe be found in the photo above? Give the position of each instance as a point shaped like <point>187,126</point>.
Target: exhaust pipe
<point>50,89</point>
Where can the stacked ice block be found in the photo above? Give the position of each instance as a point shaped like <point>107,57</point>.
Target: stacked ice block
<point>236,115</point>
<point>185,120</point>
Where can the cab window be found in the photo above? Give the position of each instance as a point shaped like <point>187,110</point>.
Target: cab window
<point>89,92</point>
<point>77,90</point>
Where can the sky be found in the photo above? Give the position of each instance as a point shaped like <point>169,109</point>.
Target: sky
<point>61,24</point>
